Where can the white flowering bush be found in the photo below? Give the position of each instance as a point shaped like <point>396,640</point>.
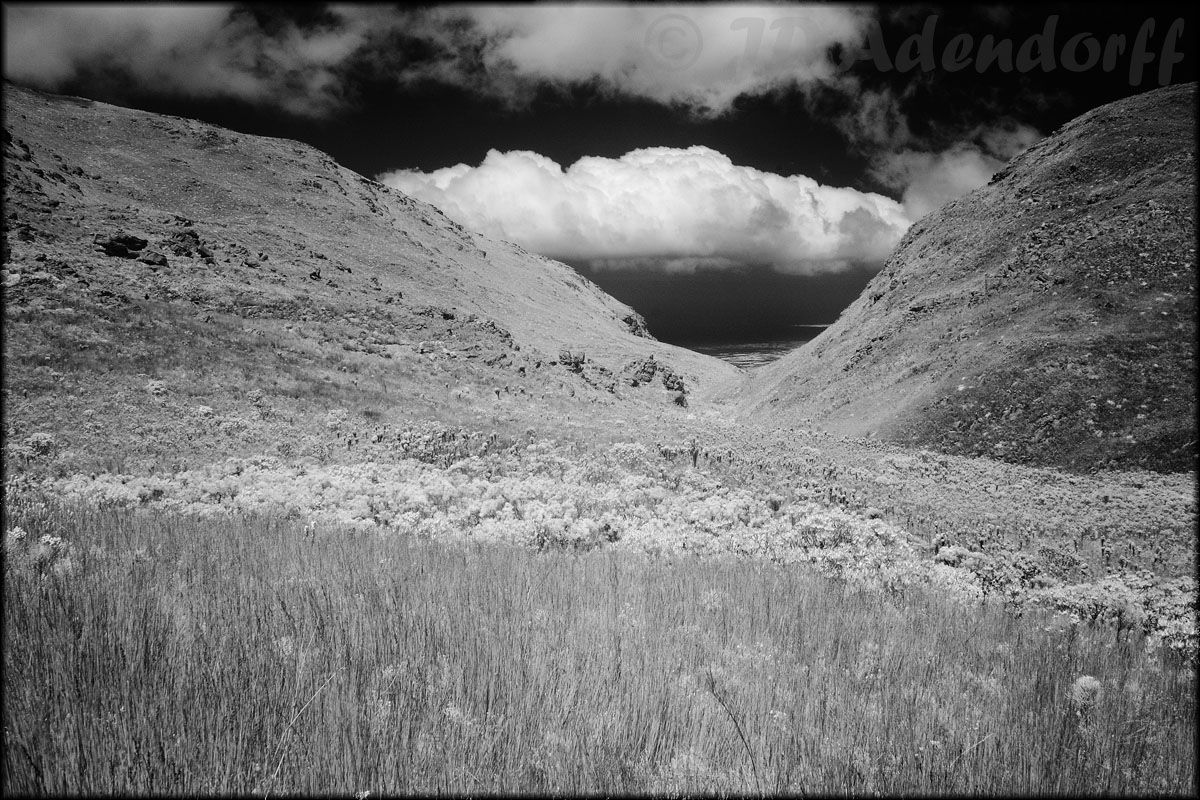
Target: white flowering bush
<point>1164,609</point>
<point>33,447</point>
<point>46,554</point>
<point>534,496</point>
<point>336,419</point>
<point>454,484</point>
<point>15,541</point>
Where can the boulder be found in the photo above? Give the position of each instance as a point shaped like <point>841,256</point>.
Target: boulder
<point>122,245</point>
<point>671,381</point>
<point>153,258</point>
<point>643,370</point>
<point>184,243</point>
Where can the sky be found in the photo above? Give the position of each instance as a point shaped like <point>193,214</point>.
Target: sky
<point>728,170</point>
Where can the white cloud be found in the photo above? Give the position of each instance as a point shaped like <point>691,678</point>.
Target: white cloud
<point>676,208</point>
<point>933,179</point>
<point>196,49</point>
<point>1007,139</point>
<point>698,56</point>
<point>874,118</point>
<point>702,57</point>
<point>929,180</point>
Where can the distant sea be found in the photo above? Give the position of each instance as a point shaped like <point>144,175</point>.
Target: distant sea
<point>749,354</point>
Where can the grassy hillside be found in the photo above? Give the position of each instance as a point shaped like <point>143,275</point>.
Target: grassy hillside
<point>308,491</point>
<point>175,291</point>
<point>1048,318</point>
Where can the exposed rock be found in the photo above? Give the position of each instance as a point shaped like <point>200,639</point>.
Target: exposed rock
<point>637,325</point>
<point>671,381</point>
<point>643,370</point>
<point>122,245</point>
<point>153,258</point>
<point>572,361</point>
<point>185,243</point>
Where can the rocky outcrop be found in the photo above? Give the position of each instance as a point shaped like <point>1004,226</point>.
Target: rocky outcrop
<point>636,324</point>
<point>572,361</point>
<point>119,244</point>
<point>644,371</point>
<point>672,381</point>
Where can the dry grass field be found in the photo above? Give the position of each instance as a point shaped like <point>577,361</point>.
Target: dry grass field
<point>257,654</point>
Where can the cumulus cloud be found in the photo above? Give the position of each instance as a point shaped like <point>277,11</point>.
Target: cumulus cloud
<point>674,208</point>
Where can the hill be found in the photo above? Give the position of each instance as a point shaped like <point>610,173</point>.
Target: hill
<point>235,370</point>
<point>173,288</point>
<point>1048,318</point>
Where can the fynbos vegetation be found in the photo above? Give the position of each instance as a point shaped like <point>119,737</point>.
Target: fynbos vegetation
<point>255,654</point>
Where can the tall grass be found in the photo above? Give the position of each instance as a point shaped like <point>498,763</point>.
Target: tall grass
<point>257,655</point>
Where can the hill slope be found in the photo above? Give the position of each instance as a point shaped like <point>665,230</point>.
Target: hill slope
<point>142,248</point>
<point>1048,318</point>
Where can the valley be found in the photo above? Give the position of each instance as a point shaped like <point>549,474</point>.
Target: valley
<point>239,375</point>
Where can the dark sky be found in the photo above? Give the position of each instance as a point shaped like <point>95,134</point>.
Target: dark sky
<point>808,173</point>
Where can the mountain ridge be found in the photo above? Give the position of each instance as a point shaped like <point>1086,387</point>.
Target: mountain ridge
<point>1067,283</point>
<point>142,249</point>
<point>273,165</point>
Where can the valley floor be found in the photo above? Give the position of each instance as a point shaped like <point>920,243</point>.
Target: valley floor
<point>594,600</point>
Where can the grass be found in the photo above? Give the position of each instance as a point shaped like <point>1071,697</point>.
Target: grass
<point>259,655</point>
<point>101,357</point>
